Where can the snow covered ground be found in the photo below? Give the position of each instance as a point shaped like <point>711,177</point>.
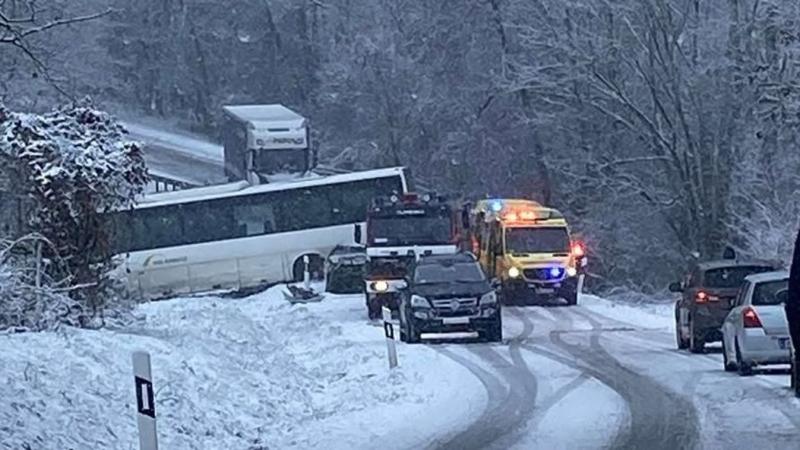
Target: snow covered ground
<point>259,373</point>
<point>252,373</point>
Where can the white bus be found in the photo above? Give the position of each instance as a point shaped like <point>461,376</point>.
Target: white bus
<point>238,236</point>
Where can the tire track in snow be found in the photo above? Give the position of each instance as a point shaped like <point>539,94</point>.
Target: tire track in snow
<point>660,418</point>
<point>510,407</point>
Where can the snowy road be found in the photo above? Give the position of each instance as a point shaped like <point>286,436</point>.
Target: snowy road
<point>593,376</point>
<point>258,373</point>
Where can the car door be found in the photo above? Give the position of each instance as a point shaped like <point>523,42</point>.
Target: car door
<point>687,300</point>
<point>730,325</point>
<point>737,325</point>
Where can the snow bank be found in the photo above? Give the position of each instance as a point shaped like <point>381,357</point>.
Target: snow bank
<point>254,373</point>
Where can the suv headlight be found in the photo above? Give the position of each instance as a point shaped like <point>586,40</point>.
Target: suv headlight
<point>513,272</point>
<point>489,298</point>
<point>419,302</point>
<point>380,286</point>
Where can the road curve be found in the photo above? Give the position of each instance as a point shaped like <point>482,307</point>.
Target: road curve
<point>660,418</point>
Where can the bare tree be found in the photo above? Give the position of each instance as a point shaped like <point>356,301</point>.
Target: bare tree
<point>23,21</point>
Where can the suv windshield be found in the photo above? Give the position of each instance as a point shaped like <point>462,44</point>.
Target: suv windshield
<point>770,293</point>
<point>409,230</point>
<point>537,240</point>
<point>730,277</point>
<point>440,273</point>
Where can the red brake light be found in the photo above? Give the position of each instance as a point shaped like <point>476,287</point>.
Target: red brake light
<point>750,318</point>
<point>701,297</point>
<point>577,250</point>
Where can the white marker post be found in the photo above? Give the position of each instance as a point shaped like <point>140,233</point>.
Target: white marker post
<point>306,273</point>
<point>145,401</point>
<point>388,329</point>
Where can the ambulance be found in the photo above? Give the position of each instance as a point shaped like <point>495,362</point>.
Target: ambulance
<point>528,250</point>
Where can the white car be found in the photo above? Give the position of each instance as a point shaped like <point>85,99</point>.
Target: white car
<point>756,332</point>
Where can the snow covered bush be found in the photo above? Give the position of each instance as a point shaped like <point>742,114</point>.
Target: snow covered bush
<point>75,165</point>
<point>29,301</point>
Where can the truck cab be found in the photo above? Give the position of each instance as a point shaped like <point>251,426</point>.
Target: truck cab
<point>262,141</point>
<point>528,248</point>
<point>400,228</point>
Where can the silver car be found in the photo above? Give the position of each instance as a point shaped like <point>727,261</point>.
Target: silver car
<point>755,332</point>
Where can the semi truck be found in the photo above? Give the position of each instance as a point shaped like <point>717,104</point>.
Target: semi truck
<point>264,140</point>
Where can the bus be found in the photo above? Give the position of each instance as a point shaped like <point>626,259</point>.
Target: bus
<point>239,236</point>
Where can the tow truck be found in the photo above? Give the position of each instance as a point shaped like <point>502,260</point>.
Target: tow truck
<point>528,249</point>
<point>401,227</point>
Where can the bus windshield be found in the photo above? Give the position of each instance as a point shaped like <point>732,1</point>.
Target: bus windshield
<point>537,240</point>
<point>409,230</point>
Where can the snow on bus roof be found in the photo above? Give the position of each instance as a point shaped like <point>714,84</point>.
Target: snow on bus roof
<point>239,188</point>
<point>259,115</point>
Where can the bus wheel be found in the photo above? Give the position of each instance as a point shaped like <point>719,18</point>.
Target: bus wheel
<point>316,267</point>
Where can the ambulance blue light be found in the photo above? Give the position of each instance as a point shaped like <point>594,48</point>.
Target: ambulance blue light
<point>555,272</point>
<point>497,206</point>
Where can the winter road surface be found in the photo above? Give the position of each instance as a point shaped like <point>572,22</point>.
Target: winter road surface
<point>258,373</point>
<point>599,376</point>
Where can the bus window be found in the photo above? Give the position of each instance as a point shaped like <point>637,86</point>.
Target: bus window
<point>207,221</point>
<point>303,208</point>
<point>157,228</point>
<point>255,215</point>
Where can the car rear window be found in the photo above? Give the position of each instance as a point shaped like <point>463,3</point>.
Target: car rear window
<point>770,292</point>
<point>730,277</point>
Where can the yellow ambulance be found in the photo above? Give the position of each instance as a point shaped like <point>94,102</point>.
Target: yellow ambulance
<point>527,248</point>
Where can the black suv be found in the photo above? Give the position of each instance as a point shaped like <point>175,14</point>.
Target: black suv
<point>449,293</point>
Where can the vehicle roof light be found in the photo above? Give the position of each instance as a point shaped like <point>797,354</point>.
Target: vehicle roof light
<point>578,250</point>
<point>497,206</point>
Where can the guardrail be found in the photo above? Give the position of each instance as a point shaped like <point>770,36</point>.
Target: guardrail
<point>163,183</point>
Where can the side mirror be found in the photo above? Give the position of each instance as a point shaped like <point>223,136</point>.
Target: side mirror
<point>729,253</point>
<point>357,233</point>
<point>675,287</point>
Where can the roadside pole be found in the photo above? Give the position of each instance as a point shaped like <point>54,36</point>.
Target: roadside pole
<point>145,401</point>
<point>581,278</point>
<point>388,329</point>
<point>306,273</point>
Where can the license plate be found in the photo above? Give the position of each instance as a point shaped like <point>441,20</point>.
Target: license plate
<point>783,343</point>
<point>455,320</point>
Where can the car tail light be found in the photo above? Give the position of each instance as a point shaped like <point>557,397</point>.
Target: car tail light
<point>701,297</point>
<point>750,318</point>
